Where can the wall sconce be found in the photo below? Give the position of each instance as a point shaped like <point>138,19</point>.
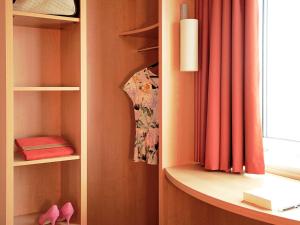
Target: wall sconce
<point>188,41</point>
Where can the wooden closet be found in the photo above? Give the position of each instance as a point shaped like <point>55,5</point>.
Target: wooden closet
<point>43,92</point>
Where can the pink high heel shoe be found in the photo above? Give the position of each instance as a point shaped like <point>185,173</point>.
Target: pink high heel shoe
<point>66,212</point>
<point>50,216</point>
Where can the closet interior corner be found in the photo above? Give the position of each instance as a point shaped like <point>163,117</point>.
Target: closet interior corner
<point>125,41</point>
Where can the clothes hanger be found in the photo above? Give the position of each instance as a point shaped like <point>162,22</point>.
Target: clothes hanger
<point>151,67</point>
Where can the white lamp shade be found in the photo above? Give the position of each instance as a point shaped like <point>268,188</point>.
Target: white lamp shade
<point>189,45</point>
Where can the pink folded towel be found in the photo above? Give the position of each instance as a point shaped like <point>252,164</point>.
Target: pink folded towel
<point>44,147</point>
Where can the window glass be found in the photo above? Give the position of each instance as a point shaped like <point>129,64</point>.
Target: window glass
<point>282,70</point>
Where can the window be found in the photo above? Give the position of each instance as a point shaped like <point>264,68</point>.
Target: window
<point>280,69</point>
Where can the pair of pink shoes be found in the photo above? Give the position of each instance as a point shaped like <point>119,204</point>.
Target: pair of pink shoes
<point>54,215</point>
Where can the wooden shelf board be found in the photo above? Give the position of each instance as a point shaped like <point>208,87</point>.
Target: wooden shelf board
<point>32,219</point>
<point>225,191</point>
<point>41,20</point>
<point>148,49</point>
<point>46,88</point>
<point>150,31</point>
<point>19,161</point>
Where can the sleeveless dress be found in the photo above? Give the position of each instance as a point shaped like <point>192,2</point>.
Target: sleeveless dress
<point>143,91</point>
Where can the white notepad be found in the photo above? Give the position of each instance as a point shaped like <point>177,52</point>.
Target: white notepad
<point>274,198</point>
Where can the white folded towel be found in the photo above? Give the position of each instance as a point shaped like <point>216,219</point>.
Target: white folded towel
<point>52,7</point>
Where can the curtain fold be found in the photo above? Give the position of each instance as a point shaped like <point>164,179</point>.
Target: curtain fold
<point>228,127</point>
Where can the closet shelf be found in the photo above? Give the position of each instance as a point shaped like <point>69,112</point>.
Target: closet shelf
<point>29,19</point>
<point>46,88</point>
<point>32,219</point>
<point>19,161</point>
<point>149,31</point>
<point>148,49</point>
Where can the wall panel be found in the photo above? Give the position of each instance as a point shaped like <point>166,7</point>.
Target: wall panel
<point>119,190</point>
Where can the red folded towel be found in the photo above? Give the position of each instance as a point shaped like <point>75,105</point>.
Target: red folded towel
<point>44,147</point>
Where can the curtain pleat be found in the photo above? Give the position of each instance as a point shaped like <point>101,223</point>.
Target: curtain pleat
<point>254,145</point>
<point>213,104</point>
<point>225,136</point>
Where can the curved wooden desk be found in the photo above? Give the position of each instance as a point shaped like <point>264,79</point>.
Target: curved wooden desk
<point>226,191</point>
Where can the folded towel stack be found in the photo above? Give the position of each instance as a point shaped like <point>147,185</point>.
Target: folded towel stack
<point>52,7</point>
<point>44,147</point>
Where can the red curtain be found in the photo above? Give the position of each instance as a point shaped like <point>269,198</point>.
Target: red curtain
<point>228,125</point>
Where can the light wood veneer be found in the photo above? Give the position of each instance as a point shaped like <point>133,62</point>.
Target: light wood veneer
<point>44,93</point>
<point>177,111</point>
<point>149,31</point>
<point>42,21</point>
<point>148,49</point>
<point>19,161</point>
<point>183,209</point>
<point>46,88</point>
<point>3,97</point>
<point>32,219</point>
<point>225,191</point>
<point>120,191</point>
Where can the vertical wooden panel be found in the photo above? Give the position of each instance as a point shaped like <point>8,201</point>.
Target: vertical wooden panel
<point>177,91</point>
<point>83,110</point>
<point>120,191</point>
<point>9,123</point>
<point>2,115</point>
<point>177,103</point>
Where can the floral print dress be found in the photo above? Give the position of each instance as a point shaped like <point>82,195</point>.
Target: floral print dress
<point>142,88</point>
